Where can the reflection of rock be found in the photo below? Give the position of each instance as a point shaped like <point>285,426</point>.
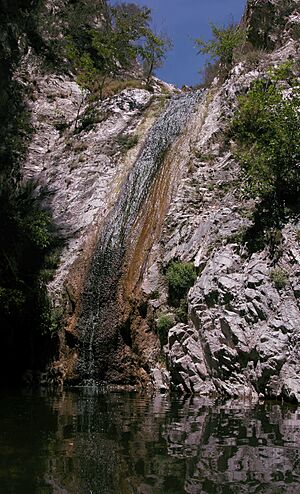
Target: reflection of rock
<point>244,449</point>
<point>119,443</point>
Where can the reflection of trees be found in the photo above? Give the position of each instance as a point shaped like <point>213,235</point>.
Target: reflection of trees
<point>26,423</point>
<point>125,444</point>
<point>84,456</point>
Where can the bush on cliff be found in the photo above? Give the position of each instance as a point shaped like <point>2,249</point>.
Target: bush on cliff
<point>181,277</point>
<point>279,277</point>
<point>28,237</point>
<point>164,323</point>
<point>266,131</point>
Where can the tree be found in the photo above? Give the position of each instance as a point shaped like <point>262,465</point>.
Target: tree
<point>104,51</point>
<point>136,38</point>
<point>223,43</point>
<point>130,23</point>
<point>153,52</point>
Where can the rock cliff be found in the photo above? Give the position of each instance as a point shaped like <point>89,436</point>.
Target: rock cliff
<point>242,336</point>
<point>241,333</point>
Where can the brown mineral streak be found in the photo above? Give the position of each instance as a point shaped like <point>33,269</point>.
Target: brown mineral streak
<point>76,280</point>
<point>151,219</point>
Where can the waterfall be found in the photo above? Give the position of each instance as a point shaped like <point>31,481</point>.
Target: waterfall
<point>99,338</point>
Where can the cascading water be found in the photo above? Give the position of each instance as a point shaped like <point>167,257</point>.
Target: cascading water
<point>100,340</point>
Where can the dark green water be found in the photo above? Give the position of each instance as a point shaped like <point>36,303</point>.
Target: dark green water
<point>91,443</point>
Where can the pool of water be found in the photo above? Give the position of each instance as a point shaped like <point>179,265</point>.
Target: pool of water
<point>88,442</point>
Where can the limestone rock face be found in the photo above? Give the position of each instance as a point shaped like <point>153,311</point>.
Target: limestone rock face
<point>247,326</point>
<point>187,365</point>
<point>82,151</point>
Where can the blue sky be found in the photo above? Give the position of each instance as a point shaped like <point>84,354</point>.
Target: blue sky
<point>183,21</point>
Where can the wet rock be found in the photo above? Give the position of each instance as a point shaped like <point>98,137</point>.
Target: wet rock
<point>80,164</point>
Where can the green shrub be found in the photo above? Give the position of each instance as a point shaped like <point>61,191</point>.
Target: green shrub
<point>80,146</point>
<point>89,118</point>
<point>61,125</point>
<point>284,72</point>
<point>208,157</point>
<point>279,277</point>
<point>164,323</point>
<point>296,31</point>
<point>181,277</point>
<point>252,58</point>
<point>154,295</point>
<point>274,239</point>
<point>12,300</point>
<point>182,311</point>
<point>127,141</point>
<point>266,129</point>
<point>50,319</point>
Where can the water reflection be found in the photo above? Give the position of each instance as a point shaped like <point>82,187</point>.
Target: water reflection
<point>91,443</point>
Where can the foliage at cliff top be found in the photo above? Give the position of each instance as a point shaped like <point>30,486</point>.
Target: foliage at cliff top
<point>105,50</point>
<point>223,43</point>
